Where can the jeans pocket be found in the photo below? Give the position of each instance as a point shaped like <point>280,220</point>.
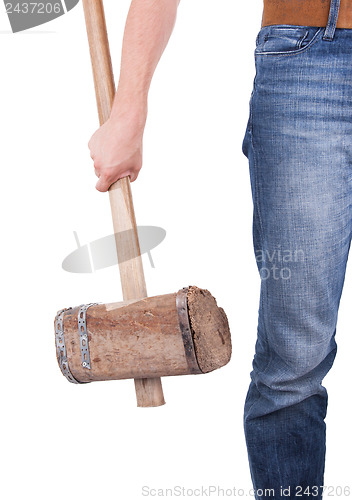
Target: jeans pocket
<point>285,39</point>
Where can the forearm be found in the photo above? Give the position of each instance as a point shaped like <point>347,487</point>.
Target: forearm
<point>116,147</point>
<point>148,28</point>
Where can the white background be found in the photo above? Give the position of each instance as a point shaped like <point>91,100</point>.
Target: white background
<point>62,441</point>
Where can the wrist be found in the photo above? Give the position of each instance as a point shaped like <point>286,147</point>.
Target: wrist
<point>130,108</point>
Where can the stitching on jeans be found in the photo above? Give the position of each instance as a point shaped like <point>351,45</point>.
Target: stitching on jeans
<point>331,26</point>
<point>292,52</point>
<point>256,176</point>
<point>278,30</point>
<point>301,40</point>
<point>257,208</point>
<point>261,235</point>
<point>328,27</point>
<point>255,170</point>
<point>335,19</point>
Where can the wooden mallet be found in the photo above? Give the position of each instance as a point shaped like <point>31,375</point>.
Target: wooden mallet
<point>142,337</point>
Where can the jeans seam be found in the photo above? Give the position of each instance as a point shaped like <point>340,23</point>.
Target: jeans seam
<point>256,204</point>
<point>254,157</point>
<point>256,198</point>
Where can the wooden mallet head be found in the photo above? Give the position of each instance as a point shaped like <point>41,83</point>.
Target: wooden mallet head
<point>179,333</point>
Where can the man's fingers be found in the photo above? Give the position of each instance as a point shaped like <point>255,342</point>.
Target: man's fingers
<point>133,176</point>
<point>107,179</point>
<point>103,184</point>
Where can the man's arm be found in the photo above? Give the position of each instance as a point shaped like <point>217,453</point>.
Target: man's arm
<point>116,147</point>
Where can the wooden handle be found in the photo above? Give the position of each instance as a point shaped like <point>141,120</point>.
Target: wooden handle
<point>148,391</point>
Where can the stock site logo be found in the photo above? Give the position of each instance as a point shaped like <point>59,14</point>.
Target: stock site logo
<point>25,15</point>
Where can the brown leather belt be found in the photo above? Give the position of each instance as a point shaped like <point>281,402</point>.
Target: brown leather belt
<point>305,13</point>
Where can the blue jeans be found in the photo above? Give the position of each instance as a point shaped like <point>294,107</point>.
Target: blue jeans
<point>299,145</point>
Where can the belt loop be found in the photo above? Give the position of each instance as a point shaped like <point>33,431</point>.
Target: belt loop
<point>331,26</point>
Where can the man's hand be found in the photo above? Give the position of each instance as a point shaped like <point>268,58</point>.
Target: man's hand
<point>116,149</point>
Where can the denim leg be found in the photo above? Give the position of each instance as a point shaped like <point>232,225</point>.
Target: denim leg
<point>298,143</point>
